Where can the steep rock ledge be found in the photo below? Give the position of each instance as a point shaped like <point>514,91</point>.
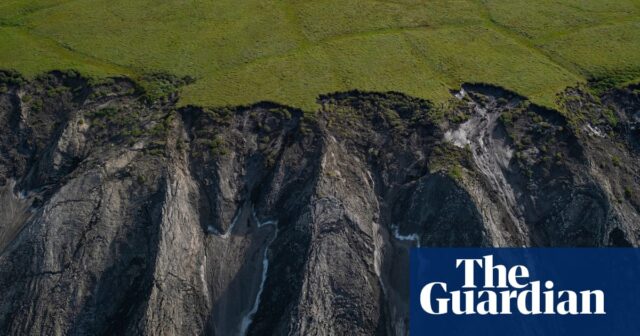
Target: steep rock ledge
<point>125,215</point>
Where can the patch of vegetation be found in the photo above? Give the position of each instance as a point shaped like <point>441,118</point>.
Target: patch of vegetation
<point>11,78</point>
<point>454,110</point>
<point>392,118</point>
<point>127,124</point>
<point>578,106</point>
<point>614,79</point>
<point>450,160</point>
<point>155,151</point>
<point>159,86</point>
<point>281,112</point>
<point>57,91</point>
<point>216,145</point>
<point>287,51</point>
<point>37,106</point>
<point>628,193</point>
<point>353,114</point>
<point>220,116</point>
<point>615,160</point>
<point>455,172</point>
<point>306,123</point>
<point>107,112</point>
<point>510,115</point>
<point>611,117</point>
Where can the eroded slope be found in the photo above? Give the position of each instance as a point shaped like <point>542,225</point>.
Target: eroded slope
<point>124,215</point>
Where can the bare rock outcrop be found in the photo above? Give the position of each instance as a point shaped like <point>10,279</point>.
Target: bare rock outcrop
<point>124,215</point>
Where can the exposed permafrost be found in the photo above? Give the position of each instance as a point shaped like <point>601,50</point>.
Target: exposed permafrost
<point>492,156</point>
<point>457,137</point>
<point>461,94</point>
<point>594,131</point>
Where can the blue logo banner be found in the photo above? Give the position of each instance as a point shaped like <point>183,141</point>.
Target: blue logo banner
<point>525,291</point>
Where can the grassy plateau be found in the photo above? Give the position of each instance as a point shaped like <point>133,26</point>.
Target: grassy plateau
<point>290,51</point>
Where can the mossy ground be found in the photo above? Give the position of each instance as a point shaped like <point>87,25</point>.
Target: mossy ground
<point>241,52</point>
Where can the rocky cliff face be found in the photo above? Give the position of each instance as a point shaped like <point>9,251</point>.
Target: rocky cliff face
<point>121,215</point>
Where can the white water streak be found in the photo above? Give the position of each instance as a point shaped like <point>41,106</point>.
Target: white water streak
<point>248,319</point>
<point>203,278</point>
<point>227,234</point>
<point>413,237</point>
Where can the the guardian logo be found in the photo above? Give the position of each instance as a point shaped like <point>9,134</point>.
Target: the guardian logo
<point>494,289</point>
<point>524,291</point>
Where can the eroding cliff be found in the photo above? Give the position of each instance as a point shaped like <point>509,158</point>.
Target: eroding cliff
<point>121,214</point>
